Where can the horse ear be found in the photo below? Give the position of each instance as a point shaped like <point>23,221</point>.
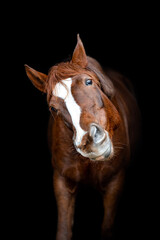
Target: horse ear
<point>37,78</point>
<point>79,55</point>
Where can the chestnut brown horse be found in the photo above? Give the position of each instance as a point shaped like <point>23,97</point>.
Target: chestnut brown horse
<point>93,130</point>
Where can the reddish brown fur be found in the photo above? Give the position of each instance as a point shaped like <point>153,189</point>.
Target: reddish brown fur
<point>62,71</point>
<point>113,106</point>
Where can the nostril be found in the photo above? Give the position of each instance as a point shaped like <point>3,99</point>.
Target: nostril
<point>97,133</point>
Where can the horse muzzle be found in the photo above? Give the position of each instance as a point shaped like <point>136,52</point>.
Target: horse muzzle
<point>99,146</point>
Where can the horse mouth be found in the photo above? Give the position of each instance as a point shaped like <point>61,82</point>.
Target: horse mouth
<point>102,155</point>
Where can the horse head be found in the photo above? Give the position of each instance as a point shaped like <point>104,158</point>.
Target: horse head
<point>80,93</point>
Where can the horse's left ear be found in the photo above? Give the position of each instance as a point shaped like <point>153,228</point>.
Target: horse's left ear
<point>37,78</point>
<point>79,55</point>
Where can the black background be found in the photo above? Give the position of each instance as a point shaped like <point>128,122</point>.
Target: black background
<point>123,41</point>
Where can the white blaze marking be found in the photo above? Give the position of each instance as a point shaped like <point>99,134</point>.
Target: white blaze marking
<point>72,107</point>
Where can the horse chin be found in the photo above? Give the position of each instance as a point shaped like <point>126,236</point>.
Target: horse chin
<point>105,156</point>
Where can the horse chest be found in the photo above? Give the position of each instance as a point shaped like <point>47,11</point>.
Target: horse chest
<point>87,172</point>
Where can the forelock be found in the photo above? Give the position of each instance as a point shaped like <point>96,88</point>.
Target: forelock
<point>62,71</point>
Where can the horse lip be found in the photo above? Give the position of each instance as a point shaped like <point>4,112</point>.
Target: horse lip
<point>102,156</point>
<point>105,155</point>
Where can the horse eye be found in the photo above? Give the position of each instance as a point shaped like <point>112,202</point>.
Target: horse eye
<point>88,82</point>
<point>53,109</point>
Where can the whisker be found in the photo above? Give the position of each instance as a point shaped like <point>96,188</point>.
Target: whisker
<point>118,147</point>
<point>120,144</point>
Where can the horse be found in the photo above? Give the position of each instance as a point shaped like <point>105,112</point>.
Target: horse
<point>93,130</point>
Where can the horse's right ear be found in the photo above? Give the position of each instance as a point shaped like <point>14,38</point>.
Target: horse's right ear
<point>37,78</point>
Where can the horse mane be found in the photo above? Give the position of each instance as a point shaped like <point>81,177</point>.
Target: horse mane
<point>106,83</point>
